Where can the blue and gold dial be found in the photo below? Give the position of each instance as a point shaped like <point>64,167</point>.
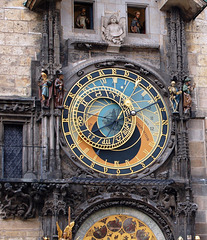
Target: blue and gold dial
<point>115,121</point>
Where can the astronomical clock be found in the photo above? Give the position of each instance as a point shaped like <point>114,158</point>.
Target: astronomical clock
<point>103,154</point>
<point>115,122</point>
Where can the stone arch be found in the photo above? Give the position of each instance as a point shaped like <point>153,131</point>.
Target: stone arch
<point>144,212</point>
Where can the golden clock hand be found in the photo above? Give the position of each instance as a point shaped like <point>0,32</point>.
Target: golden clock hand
<point>118,116</point>
<point>133,112</point>
<point>128,102</point>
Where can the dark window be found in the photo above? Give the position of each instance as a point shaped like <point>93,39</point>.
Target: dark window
<point>136,20</point>
<point>13,151</point>
<point>83,15</point>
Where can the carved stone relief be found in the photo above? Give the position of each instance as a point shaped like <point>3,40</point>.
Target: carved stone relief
<point>113,29</point>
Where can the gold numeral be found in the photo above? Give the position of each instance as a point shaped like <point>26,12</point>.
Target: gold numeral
<point>126,74</point>
<point>81,157</point>
<point>143,165</point>
<point>65,120</point>
<point>113,70</point>
<point>145,151</point>
<point>131,170</point>
<point>72,146</point>
<point>164,122</point>
<point>89,77</point>
<point>148,87</point>
<point>79,85</point>
<point>86,150</point>
<point>127,162</point>
<point>92,165</point>
<point>116,163</point>
<point>118,171</point>
<point>105,169</point>
<point>163,109</point>
<point>79,141</point>
<point>71,95</point>
<point>101,73</point>
<point>151,144</point>
<point>95,157</point>
<point>157,98</point>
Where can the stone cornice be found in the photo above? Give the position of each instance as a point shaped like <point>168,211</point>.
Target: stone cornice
<point>190,9</point>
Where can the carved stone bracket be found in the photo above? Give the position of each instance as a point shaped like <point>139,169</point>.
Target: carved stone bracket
<point>190,9</point>
<point>187,208</point>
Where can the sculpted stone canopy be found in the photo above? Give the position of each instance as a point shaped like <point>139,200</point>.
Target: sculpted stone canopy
<point>189,8</point>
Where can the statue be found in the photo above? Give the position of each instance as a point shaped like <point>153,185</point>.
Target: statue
<point>82,21</point>
<point>45,90</point>
<point>59,90</point>
<point>174,96</point>
<point>67,234</point>
<point>187,89</point>
<point>113,30</point>
<point>135,24</point>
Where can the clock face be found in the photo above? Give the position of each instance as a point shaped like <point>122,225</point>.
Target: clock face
<point>115,121</point>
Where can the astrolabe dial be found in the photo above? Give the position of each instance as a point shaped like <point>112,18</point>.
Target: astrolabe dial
<point>102,119</point>
<point>115,121</point>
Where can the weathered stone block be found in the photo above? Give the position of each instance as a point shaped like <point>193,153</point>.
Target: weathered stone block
<point>198,172</point>
<point>194,48</point>
<point>27,15</point>
<point>1,13</point>
<point>197,149</point>
<point>202,60</point>
<point>12,3</point>
<point>204,49</point>
<point>201,71</point>
<point>6,26</point>
<point>197,38</point>
<point>196,124</point>
<point>22,39</point>
<point>197,162</point>
<point>201,228</point>
<point>35,27</point>
<point>200,26</point>
<point>21,27</point>
<point>13,14</point>
<point>2,38</point>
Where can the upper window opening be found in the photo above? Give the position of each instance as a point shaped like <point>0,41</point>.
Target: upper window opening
<point>136,20</point>
<point>83,15</point>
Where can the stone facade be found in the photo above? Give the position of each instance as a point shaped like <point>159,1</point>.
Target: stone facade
<point>197,55</point>
<point>20,34</point>
<point>22,57</point>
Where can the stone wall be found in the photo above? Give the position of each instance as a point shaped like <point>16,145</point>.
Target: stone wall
<point>197,56</point>
<point>19,230</point>
<point>20,34</point>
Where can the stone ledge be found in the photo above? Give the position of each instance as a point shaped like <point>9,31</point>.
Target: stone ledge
<point>189,8</point>
<point>91,44</point>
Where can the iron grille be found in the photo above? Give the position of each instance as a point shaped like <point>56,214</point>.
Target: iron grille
<point>13,139</point>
